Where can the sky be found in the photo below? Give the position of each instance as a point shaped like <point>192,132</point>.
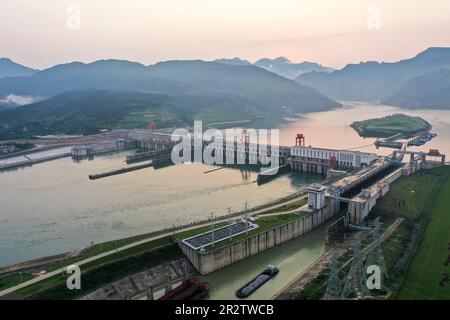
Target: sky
<point>42,33</point>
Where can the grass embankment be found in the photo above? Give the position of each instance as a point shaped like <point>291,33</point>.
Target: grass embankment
<point>416,253</point>
<point>390,125</point>
<point>290,206</point>
<point>100,275</point>
<point>315,289</point>
<point>107,269</point>
<point>17,278</point>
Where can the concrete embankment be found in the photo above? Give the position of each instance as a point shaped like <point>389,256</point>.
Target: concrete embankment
<point>35,157</point>
<point>207,262</point>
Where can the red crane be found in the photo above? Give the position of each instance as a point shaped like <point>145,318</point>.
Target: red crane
<point>151,126</point>
<point>333,161</point>
<point>300,139</point>
<point>434,152</point>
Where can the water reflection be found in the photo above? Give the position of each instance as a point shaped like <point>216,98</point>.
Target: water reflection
<point>53,207</point>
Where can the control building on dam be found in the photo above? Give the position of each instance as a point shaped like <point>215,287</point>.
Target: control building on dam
<point>319,160</point>
<point>358,192</point>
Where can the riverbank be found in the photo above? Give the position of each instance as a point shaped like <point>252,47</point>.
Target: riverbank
<point>21,273</point>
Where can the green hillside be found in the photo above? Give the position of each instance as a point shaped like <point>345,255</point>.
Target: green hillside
<point>422,199</point>
<point>88,111</point>
<point>390,125</point>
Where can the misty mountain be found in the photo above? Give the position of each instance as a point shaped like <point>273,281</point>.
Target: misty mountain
<point>99,75</point>
<point>88,111</point>
<point>249,82</point>
<point>236,61</point>
<point>430,90</point>
<point>374,81</point>
<point>283,67</point>
<point>9,68</point>
<point>171,77</point>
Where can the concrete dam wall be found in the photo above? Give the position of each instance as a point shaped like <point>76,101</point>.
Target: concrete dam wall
<point>209,261</point>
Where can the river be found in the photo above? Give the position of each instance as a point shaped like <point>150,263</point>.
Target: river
<point>53,207</point>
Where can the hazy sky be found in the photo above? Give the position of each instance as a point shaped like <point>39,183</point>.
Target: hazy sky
<point>41,33</point>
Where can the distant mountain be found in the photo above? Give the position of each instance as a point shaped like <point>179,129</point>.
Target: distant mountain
<point>9,68</point>
<point>78,98</point>
<point>171,77</point>
<point>430,90</point>
<point>374,81</point>
<point>234,62</point>
<point>283,67</point>
<point>99,75</point>
<point>249,82</point>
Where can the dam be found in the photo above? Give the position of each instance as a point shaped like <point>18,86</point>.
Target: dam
<point>358,192</point>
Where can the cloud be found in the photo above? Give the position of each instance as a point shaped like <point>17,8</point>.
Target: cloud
<point>18,100</point>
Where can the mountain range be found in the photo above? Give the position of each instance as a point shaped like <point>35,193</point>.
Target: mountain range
<point>375,81</point>
<point>9,68</point>
<point>281,66</point>
<point>209,91</point>
<point>170,77</point>
<point>67,98</point>
<point>284,67</point>
<point>430,90</point>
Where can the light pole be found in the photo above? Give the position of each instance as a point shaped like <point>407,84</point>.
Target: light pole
<point>246,218</point>
<point>229,221</point>
<point>212,228</point>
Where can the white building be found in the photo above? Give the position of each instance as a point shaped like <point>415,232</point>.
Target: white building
<point>316,196</point>
<point>355,159</point>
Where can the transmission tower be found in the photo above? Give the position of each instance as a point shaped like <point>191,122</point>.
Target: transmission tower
<point>334,287</point>
<point>375,256</point>
<point>355,281</point>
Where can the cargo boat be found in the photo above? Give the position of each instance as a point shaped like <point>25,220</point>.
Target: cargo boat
<point>257,282</point>
<point>189,289</point>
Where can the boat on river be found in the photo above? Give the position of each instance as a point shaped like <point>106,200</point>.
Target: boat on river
<point>257,282</point>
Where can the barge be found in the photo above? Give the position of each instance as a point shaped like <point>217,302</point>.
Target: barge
<point>257,282</point>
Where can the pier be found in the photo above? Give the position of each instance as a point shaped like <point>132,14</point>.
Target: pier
<point>114,172</point>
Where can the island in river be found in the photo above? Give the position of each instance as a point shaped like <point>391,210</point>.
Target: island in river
<point>398,123</point>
